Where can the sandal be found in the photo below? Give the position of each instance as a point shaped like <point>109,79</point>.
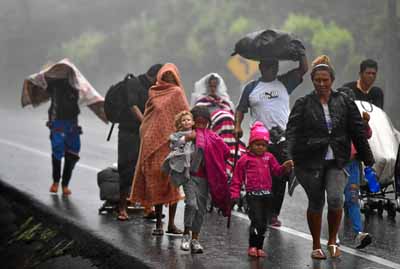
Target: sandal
<point>334,251</point>
<point>123,217</point>
<point>318,254</point>
<point>158,232</point>
<point>174,230</point>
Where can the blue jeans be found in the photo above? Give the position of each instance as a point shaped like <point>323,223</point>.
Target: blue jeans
<point>64,137</point>
<point>351,193</point>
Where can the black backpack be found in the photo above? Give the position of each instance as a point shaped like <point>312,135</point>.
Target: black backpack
<point>115,104</point>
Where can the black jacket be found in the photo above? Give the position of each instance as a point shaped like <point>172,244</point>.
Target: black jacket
<point>308,136</point>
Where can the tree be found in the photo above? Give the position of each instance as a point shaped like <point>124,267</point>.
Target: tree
<point>321,38</point>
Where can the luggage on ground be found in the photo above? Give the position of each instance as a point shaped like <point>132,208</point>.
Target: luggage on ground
<point>108,182</point>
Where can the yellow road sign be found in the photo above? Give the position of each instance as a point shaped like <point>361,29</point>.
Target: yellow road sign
<point>242,68</point>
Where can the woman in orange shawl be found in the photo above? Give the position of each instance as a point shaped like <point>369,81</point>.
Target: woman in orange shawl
<point>151,187</point>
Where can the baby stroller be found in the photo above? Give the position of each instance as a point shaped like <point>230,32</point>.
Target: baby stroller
<point>387,199</point>
<point>384,144</point>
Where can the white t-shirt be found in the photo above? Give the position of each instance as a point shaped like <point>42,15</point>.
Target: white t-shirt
<point>329,154</point>
<point>269,101</point>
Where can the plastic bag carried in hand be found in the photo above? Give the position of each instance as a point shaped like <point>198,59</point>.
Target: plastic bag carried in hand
<point>269,44</point>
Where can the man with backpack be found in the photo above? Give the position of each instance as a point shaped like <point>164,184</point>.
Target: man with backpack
<point>136,90</point>
<point>268,100</point>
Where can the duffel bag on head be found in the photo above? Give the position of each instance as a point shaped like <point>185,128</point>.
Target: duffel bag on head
<point>115,103</point>
<point>269,44</point>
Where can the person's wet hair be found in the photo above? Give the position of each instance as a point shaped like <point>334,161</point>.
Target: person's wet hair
<point>368,63</point>
<point>322,63</point>
<point>201,111</point>
<point>178,119</point>
<point>213,77</point>
<point>153,70</point>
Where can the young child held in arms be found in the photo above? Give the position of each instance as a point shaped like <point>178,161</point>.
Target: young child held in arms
<point>196,188</point>
<point>177,163</point>
<point>255,169</point>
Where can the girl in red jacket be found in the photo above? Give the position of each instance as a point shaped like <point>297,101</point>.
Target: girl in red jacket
<point>255,169</point>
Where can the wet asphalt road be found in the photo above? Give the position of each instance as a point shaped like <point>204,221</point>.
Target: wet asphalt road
<point>25,163</point>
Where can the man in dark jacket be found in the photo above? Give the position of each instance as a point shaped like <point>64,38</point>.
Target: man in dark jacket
<point>64,131</point>
<point>363,88</point>
<point>128,135</point>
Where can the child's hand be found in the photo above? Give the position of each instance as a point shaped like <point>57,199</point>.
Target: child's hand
<point>289,164</point>
<point>365,116</point>
<point>191,136</point>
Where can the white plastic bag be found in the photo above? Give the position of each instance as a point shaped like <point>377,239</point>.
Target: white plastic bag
<point>384,142</point>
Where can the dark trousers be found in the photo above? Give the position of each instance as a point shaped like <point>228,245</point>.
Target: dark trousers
<point>259,214</point>
<point>128,151</point>
<point>69,163</point>
<point>278,183</point>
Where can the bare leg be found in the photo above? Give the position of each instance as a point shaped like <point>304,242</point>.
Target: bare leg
<point>334,219</point>
<point>195,236</point>
<point>123,204</point>
<point>171,216</point>
<point>158,209</point>
<point>314,224</point>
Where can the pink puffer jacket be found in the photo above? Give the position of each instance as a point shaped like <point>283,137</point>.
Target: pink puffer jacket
<point>255,172</point>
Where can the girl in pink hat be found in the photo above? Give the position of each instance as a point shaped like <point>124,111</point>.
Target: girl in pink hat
<point>255,169</point>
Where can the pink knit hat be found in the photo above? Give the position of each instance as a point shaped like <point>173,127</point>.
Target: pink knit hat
<point>258,132</point>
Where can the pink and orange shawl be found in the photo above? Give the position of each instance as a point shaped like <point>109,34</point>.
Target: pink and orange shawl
<point>150,186</point>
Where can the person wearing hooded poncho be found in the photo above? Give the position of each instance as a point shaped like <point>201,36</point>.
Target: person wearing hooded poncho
<point>151,187</point>
<point>211,91</point>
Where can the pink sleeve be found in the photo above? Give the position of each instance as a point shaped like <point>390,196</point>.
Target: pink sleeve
<point>237,179</point>
<point>277,170</point>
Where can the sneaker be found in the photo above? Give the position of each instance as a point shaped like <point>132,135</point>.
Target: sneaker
<point>54,188</point>
<point>362,240</point>
<point>66,191</point>
<point>252,252</point>
<point>185,243</point>
<point>261,253</point>
<point>275,222</point>
<point>196,247</point>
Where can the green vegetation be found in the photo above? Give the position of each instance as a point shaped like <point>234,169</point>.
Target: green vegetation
<point>106,40</point>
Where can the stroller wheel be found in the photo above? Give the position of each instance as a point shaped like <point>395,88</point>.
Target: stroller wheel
<point>391,210</point>
<point>380,208</point>
<point>398,204</point>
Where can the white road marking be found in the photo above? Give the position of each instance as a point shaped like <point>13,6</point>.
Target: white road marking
<point>343,248</point>
<point>43,153</point>
<point>288,230</point>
